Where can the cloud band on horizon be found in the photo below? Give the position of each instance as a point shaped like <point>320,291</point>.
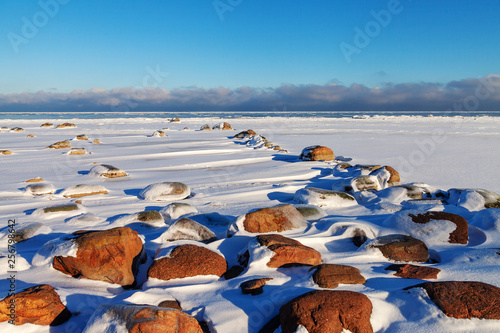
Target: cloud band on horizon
<point>464,95</point>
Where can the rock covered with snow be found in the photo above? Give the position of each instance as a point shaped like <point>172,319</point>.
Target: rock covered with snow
<point>107,171</point>
<point>140,318</point>
<point>248,134</point>
<point>177,209</point>
<point>473,199</point>
<point>273,219</point>
<point>59,211</point>
<point>223,126</point>
<point>257,142</point>
<point>317,153</point>
<point>77,151</point>
<point>158,134</point>
<point>324,198</point>
<point>311,212</point>
<point>66,125</point>
<point>39,189</point>
<point>187,229</point>
<point>82,190</point>
<point>167,191</point>
<point>431,227</point>
<point>25,231</point>
<point>181,259</point>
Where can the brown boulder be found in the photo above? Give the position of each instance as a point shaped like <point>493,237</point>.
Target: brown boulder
<point>233,272</point>
<point>77,151</point>
<point>274,219</point>
<point>330,275</point>
<point>110,255</point>
<point>401,248</point>
<point>47,125</point>
<point>288,252</point>
<point>317,153</point>
<point>141,319</point>
<point>460,235</point>
<point>414,272</point>
<point>188,260</point>
<point>82,137</point>
<point>34,180</point>
<point>394,177</point>
<point>322,311</point>
<point>464,299</point>
<point>172,304</point>
<point>254,287</point>
<point>61,145</point>
<point>38,305</point>
<point>5,152</point>
<point>66,125</point>
<point>223,126</point>
<point>245,134</point>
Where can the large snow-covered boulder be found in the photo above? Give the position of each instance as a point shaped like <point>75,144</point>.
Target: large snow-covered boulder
<point>39,189</point>
<point>140,318</point>
<point>167,191</point>
<point>177,209</point>
<point>59,211</point>
<point>187,229</point>
<point>324,198</point>
<point>317,153</point>
<point>82,190</point>
<point>107,171</point>
<point>273,219</point>
<point>473,199</point>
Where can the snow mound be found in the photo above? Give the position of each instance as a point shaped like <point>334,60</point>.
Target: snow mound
<point>187,229</point>
<point>257,142</point>
<point>324,198</point>
<point>167,191</point>
<point>39,189</point>
<point>85,220</point>
<point>177,209</point>
<point>65,247</point>
<point>59,211</point>
<point>78,191</point>
<point>487,219</point>
<point>21,264</point>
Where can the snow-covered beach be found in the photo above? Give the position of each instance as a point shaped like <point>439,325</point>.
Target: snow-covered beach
<point>439,157</point>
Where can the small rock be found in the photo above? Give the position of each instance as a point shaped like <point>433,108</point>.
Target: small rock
<point>363,183</point>
<point>158,134</point>
<point>150,217</point>
<point>233,272</point>
<point>205,127</point>
<point>107,171</point>
<point>323,311</point>
<point>29,230</point>
<point>77,151</point>
<point>34,180</point>
<point>175,120</point>
<point>248,134</point>
<point>5,152</point>
<point>186,260</point>
<point>317,153</point>
<point>401,248</point>
<point>254,287</point>
<point>464,299</point>
<point>47,125</point>
<point>408,271</point>
<point>311,212</point>
<point>82,137</point>
<point>30,136</point>
<point>167,191</point>
<point>324,198</point>
<point>330,275</point>
<point>17,129</point>
<point>223,126</point>
<point>82,190</point>
<point>66,125</point>
<point>172,304</point>
<point>61,208</point>
<point>39,189</point>
<point>278,218</point>
<point>38,305</point>
<point>61,145</point>
<point>387,175</point>
<point>96,141</point>
<point>177,209</point>
<point>187,229</point>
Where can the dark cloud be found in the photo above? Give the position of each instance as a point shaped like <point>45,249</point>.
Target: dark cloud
<point>468,94</point>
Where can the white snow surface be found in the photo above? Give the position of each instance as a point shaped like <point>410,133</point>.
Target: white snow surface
<point>231,179</point>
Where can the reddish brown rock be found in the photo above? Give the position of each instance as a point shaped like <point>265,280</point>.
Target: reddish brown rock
<point>464,299</point>
<point>322,311</point>
<point>111,255</point>
<point>317,153</point>
<point>401,248</point>
<point>330,275</point>
<point>172,304</point>
<point>254,287</point>
<point>233,272</point>
<point>414,272</point>
<point>279,218</point>
<point>188,260</point>
<point>460,235</point>
<point>38,305</point>
<point>288,252</point>
<point>394,177</point>
<point>142,319</point>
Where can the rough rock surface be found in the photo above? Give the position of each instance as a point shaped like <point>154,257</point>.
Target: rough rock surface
<point>172,304</point>
<point>254,287</point>
<point>331,275</point>
<point>401,248</point>
<point>188,229</point>
<point>205,127</point>
<point>77,151</point>
<point>38,305</point>
<point>317,153</point>
<point>141,319</point>
<point>60,145</point>
<point>279,218</point>
<point>461,233</point>
<point>288,252</point>
<point>111,255</point>
<point>464,299</point>
<point>107,171</point>
<point>188,260</point>
<point>323,311</point>
<point>414,272</point>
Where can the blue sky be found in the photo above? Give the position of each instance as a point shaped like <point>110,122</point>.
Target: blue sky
<point>206,44</point>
